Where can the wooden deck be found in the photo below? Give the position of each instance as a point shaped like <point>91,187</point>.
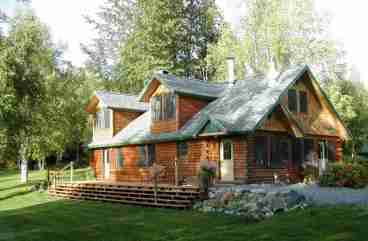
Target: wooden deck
<point>128,193</point>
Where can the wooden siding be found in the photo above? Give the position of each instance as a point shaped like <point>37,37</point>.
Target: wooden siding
<point>122,118</point>
<point>187,107</point>
<point>240,155</point>
<point>276,122</point>
<point>96,163</point>
<point>163,126</point>
<point>319,120</point>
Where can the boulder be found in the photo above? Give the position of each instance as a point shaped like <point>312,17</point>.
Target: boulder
<point>253,203</point>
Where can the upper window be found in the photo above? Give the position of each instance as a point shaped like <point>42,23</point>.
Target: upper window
<point>297,101</point>
<point>163,107</point>
<point>182,149</point>
<point>303,100</point>
<point>292,100</point>
<point>103,118</point>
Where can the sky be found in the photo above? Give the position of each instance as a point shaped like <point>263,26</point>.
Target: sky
<point>65,19</point>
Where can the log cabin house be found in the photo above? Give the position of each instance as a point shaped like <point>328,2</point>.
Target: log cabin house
<point>253,128</point>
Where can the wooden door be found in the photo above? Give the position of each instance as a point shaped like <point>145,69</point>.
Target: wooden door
<point>227,160</point>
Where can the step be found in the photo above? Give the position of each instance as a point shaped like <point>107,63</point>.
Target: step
<point>139,203</point>
<point>135,188</point>
<point>178,197</point>
<point>119,197</point>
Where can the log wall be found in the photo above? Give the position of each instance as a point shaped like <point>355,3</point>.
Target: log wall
<point>122,118</point>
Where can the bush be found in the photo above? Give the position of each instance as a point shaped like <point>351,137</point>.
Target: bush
<point>207,171</point>
<point>353,175</point>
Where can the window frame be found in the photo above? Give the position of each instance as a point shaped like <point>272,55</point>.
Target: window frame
<point>120,158</point>
<point>223,145</point>
<point>291,104</point>
<point>303,108</point>
<point>163,107</point>
<point>147,155</point>
<point>103,118</point>
<point>179,150</point>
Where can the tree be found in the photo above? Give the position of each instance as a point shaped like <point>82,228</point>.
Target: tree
<point>287,32</point>
<point>350,100</point>
<point>26,61</point>
<point>156,34</point>
<point>228,45</point>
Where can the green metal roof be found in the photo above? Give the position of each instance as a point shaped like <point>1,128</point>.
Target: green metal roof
<point>240,108</point>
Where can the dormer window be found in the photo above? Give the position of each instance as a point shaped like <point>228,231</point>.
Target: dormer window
<point>163,107</point>
<point>103,118</point>
<point>297,101</point>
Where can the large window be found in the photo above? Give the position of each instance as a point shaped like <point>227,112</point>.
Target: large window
<point>327,149</point>
<point>147,154</point>
<point>163,107</point>
<point>297,101</point>
<point>278,151</point>
<point>103,118</point>
<point>182,150</point>
<point>261,150</point>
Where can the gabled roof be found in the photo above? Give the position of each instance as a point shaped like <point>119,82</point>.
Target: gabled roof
<point>191,87</point>
<point>121,101</point>
<point>239,109</point>
<point>244,106</point>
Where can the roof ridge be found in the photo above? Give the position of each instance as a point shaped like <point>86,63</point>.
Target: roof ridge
<point>117,93</point>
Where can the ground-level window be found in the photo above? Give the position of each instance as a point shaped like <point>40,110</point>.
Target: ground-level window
<point>279,151</point>
<point>119,158</point>
<point>182,150</point>
<point>147,154</point>
<point>327,150</point>
<point>261,149</point>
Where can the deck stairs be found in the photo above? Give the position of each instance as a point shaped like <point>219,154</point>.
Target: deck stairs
<point>165,196</point>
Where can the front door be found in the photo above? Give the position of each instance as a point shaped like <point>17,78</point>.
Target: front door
<point>227,160</point>
<point>106,162</point>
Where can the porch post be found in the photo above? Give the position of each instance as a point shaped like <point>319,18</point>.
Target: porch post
<point>176,172</point>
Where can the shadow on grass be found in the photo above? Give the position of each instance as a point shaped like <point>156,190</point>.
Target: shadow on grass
<point>85,220</point>
<point>30,183</point>
<point>16,194</point>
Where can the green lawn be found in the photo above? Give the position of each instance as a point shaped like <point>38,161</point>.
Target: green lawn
<point>28,216</point>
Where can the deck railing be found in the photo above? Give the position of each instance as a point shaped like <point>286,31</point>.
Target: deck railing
<point>69,174</point>
<point>58,176</point>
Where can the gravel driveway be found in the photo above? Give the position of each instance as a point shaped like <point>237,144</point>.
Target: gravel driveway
<point>313,193</point>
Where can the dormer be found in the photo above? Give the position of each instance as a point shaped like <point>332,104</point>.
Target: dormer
<point>111,112</point>
<point>174,101</point>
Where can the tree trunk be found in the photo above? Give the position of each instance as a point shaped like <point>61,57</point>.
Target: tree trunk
<point>59,157</point>
<point>41,165</point>
<point>77,157</point>
<point>23,164</point>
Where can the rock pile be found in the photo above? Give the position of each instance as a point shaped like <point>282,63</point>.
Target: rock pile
<point>253,204</point>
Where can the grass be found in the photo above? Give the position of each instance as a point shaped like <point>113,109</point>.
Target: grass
<point>33,216</point>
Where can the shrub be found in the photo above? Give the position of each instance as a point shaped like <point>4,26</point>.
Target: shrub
<point>353,175</point>
<point>207,171</point>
